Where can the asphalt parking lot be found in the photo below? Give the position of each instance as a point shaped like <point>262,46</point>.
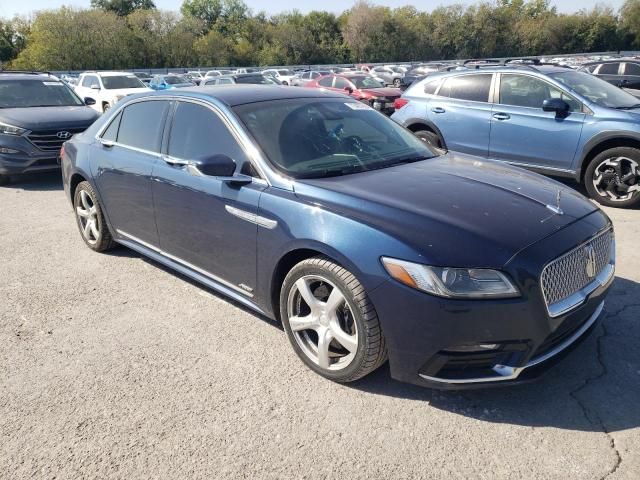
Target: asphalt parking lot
<point>112,366</point>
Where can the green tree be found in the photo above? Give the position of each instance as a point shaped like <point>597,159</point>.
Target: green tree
<point>207,11</point>
<point>122,8</point>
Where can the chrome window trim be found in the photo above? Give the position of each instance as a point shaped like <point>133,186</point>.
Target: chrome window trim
<point>505,372</point>
<point>539,167</point>
<point>252,152</point>
<point>578,298</point>
<point>184,263</point>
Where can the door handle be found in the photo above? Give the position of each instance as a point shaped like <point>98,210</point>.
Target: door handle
<point>438,110</point>
<point>501,116</point>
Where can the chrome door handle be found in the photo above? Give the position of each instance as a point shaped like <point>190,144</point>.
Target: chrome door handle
<point>501,116</point>
<point>438,110</point>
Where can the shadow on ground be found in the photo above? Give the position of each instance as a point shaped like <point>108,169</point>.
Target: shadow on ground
<point>595,388</point>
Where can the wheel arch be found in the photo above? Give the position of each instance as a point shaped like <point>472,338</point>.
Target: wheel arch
<point>602,142</point>
<point>417,124</point>
<point>74,181</point>
<point>295,255</point>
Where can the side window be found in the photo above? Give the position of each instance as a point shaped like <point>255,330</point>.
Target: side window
<point>341,83</point>
<point>197,132</point>
<point>527,91</point>
<point>431,87</point>
<point>632,69</point>
<point>467,87</point>
<point>89,80</point>
<point>325,82</point>
<point>609,69</point>
<point>224,81</point>
<point>111,132</point>
<point>141,125</point>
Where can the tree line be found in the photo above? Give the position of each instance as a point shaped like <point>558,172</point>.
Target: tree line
<point>118,34</point>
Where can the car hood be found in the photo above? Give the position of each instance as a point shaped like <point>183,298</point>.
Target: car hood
<point>454,210</point>
<point>383,92</point>
<point>45,118</point>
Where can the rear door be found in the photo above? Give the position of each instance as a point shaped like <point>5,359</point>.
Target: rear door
<point>462,112</point>
<point>631,79</point>
<point>522,133</point>
<point>122,162</point>
<point>202,221</point>
<point>611,72</point>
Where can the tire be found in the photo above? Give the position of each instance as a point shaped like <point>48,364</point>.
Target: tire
<point>396,82</point>
<point>353,320</point>
<point>5,180</point>
<point>432,139</point>
<point>105,107</point>
<point>612,178</point>
<point>87,210</point>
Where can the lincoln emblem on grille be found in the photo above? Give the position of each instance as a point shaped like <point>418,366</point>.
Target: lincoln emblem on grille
<point>63,135</point>
<point>590,261</point>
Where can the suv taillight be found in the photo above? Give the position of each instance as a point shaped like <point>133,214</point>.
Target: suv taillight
<point>399,103</point>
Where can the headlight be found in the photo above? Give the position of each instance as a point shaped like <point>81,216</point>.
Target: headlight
<point>451,282</point>
<point>11,130</point>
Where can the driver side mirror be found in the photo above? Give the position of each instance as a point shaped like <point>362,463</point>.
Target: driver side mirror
<point>89,101</point>
<point>349,90</point>
<point>223,167</point>
<point>557,105</point>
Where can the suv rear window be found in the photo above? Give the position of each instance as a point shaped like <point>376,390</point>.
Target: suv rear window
<point>632,69</point>
<point>36,93</point>
<point>473,88</point>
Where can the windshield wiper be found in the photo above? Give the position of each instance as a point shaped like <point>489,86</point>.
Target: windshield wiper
<point>333,172</point>
<point>403,160</point>
<point>629,107</point>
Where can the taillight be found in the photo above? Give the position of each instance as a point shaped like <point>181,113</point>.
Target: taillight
<point>399,103</point>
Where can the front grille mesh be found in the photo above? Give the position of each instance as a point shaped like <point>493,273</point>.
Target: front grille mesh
<point>48,141</point>
<point>568,274</point>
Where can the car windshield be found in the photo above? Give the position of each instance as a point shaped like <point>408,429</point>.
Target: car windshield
<point>175,80</point>
<point>598,91</point>
<point>115,82</point>
<point>285,72</point>
<point>314,138</point>
<point>36,93</point>
<point>366,82</point>
<point>256,79</point>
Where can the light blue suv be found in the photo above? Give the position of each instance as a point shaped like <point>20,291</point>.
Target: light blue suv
<point>547,118</point>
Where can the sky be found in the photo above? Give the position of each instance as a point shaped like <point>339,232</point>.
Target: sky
<point>9,8</point>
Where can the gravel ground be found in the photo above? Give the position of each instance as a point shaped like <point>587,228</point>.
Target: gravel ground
<point>113,367</point>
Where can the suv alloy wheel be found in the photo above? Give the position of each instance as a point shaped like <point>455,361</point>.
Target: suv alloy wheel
<point>613,177</point>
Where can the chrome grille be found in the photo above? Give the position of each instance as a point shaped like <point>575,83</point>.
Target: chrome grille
<point>48,140</point>
<point>567,275</point>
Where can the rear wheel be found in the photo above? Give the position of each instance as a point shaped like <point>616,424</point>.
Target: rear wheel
<point>613,177</point>
<point>396,82</point>
<point>105,107</point>
<point>90,219</point>
<point>432,139</point>
<point>330,321</point>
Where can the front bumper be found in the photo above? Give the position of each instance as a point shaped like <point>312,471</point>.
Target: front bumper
<point>15,164</point>
<point>460,344</point>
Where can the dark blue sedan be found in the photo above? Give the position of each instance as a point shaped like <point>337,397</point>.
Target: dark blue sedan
<point>314,209</point>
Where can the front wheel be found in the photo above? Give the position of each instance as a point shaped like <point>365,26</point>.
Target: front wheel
<point>613,177</point>
<point>396,82</point>
<point>90,219</point>
<point>105,107</point>
<point>330,321</point>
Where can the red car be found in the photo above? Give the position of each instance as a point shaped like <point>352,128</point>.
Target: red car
<point>362,87</point>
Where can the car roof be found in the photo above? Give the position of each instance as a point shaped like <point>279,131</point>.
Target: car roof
<point>25,76</point>
<point>108,74</point>
<point>233,95</point>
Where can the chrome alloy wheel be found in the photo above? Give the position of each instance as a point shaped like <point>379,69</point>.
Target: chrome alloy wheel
<point>322,322</point>
<point>617,179</point>
<point>88,217</point>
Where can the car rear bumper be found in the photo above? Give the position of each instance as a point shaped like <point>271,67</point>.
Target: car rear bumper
<point>461,344</point>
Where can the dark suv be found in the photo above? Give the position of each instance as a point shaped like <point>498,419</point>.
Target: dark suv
<point>38,113</point>
<point>622,72</point>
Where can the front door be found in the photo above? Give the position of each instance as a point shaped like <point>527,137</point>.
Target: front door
<point>202,221</point>
<point>122,162</point>
<point>522,133</point>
